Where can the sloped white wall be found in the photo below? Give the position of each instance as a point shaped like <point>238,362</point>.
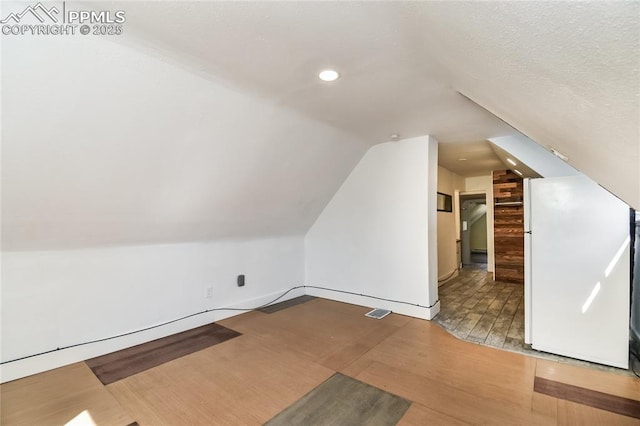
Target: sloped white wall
<point>130,184</point>
<point>377,236</point>
<point>105,145</point>
<point>52,299</point>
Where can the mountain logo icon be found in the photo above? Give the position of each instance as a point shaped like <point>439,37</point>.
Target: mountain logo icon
<point>39,11</point>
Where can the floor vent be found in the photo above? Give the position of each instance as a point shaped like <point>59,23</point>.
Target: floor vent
<point>377,313</point>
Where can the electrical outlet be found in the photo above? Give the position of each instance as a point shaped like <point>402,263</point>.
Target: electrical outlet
<point>208,292</point>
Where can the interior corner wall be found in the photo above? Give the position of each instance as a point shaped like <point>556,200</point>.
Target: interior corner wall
<point>377,236</point>
<point>52,299</point>
<point>484,184</point>
<point>448,230</point>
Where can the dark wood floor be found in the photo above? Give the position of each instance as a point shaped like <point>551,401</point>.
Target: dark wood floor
<point>127,362</point>
<point>342,400</point>
<point>478,309</point>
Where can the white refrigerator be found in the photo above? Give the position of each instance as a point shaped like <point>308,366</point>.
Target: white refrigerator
<point>577,270</point>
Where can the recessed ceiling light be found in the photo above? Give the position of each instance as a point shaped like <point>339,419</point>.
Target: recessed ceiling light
<point>518,171</point>
<point>328,75</point>
<point>462,159</point>
<point>510,161</point>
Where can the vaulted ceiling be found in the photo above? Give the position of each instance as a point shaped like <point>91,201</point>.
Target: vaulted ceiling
<point>206,119</point>
<point>390,83</point>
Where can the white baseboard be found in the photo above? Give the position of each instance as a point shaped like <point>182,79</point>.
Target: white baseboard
<point>398,308</point>
<point>37,364</point>
<point>27,367</point>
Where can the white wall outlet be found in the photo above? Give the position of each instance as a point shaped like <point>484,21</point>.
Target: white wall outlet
<point>208,292</point>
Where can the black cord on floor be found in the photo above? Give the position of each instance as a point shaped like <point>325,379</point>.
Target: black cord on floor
<point>204,312</point>
<point>151,327</point>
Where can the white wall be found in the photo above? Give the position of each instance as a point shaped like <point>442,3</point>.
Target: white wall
<point>448,226</point>
<point>105,145</point>
<point>377,236</point>
<point>132,161</point>
<point>52,299</point>
<point>484,184</point>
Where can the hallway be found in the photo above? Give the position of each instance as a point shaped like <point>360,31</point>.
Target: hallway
<point>478,309</point>
<point>478,261</point>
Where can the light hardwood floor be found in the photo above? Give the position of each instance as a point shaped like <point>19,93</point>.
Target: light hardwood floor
<point>284,355</point>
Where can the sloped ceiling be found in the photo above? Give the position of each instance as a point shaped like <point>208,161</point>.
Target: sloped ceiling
<point>566,74</point>
<point>205,119</point>
<point>102,145</point>
<point>275,50</point>
<point>469,159</point>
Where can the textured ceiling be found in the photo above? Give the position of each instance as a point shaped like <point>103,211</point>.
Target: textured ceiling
<point>390,83</point>
<point>566,74</point>
<point>469,159</point>
<point>206,119</point>
<point>104,146</point>
<point>479,159</point>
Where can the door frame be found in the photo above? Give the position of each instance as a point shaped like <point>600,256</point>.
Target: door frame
<point>489,201</point>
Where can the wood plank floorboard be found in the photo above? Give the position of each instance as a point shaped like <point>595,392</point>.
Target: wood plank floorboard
<point>127,362</point>
<point>242,382</point>
<point>329,333</point>
<point>611,381</point>
<point>281,357</point>
<point>470,407</point>
<point>416,350</point>
<point>286,304</point>
<point>419,415</point>
<point>342,400</point>
<point>615,404</point>
<point>574,414</point>
<point>58,396</point>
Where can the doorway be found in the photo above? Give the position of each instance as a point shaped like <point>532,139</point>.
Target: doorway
<point>474,307</point>
<point>473,231</point>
